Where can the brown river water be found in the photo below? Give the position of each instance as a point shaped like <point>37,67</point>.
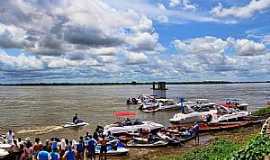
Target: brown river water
<point>41,111</point>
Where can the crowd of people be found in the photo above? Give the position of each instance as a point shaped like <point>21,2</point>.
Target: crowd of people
<point>57,149</point>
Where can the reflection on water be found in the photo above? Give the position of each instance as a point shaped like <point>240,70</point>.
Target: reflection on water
<point>32,110</point>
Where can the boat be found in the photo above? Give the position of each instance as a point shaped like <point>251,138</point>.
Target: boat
<point>160,105</point>
<point>234,103</point>
<point>202,101</point>
<point>131,126</point>
<point>5,146</point>
<point>171,139</point>
<point>206,127</point>
<point>176,136</point>
<point>193,114</point>
<point>149,104</point>
<point>127,124</point>
<point>138,101</point>
<point>113,152</point>
<point>133,101</point>
<point>159,143</point>
<point>75,125</point>
<point>211,113</point>
<point>228,114</point>
<point>168,104</point>
<point>3,153</point>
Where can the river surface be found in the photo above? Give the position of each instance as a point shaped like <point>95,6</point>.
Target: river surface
<point>42,110</point>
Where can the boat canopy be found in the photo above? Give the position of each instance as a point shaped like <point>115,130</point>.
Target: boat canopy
<point>232,99</point>
<point>123,114</point>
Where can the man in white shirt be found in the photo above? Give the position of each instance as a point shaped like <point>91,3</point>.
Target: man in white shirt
<point>10,136</point>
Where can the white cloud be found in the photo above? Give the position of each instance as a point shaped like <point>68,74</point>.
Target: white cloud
<point>143,37</point>
<point>184,4</point>
<point>245,47</point>
<point>62,62</point>
<point>213,45</point>
<point>136,58</point>
<point>266,39</point>
<point>201,45</point>
<point>242,11</point>
<point>157,12</point>
<point>19,63</point>
<point>143,41</point>
<point>110,51</point>
<point>12,37</point>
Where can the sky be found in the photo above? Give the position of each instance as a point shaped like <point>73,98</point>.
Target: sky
<point>99,41</point>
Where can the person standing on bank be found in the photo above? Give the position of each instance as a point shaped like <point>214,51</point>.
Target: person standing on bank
<point>10,136</point>
<point>103,148</point>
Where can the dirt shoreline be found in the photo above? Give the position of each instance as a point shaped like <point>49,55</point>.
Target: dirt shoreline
<point>237,135</point>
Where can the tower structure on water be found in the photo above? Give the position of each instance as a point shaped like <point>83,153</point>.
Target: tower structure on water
<point>159,89</point>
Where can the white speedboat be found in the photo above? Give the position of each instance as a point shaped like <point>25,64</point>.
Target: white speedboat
<point>140,100</point>
<point>225,114</point>
<point>149,104</point>
<point>160,105</point>
<point>167,104</point>
<point>75,125</point>
<point>234,103</point>
<point>5,146</point>
<point>211,113</point>
<point>3,153</point>
<point>194,116</point>
<point>113,152</point>
<point>131,126</point>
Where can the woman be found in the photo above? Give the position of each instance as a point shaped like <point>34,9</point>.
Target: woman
<point>15,150</point>
<point>27,150</point>
<point>63,147</point>
<point>36,148</point>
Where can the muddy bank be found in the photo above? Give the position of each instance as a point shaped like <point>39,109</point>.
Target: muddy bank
<point>237,135</point>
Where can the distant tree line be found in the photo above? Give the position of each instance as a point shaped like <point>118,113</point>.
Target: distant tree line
<point>131,83</point>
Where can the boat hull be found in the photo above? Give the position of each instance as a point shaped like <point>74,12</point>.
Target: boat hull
<point>73,125</point>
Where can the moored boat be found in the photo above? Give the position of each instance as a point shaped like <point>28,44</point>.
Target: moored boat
<point>128,125</point>
<point>159,105</point>
<point>131,126</point>
<point>159,143</point>
<point>3,153</point>
<point>206,127</point>
<point>211,113</point>
<point>234,103</point>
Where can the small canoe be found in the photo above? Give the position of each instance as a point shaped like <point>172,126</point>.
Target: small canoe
<point>159,143</point>
<point>75,125</point>
<point>226,125</point>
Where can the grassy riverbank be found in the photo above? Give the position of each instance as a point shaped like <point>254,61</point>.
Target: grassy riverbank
<point>253,147</point>
<point>245,145</point>
<point>262,111</point>
<point>220,149</point>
